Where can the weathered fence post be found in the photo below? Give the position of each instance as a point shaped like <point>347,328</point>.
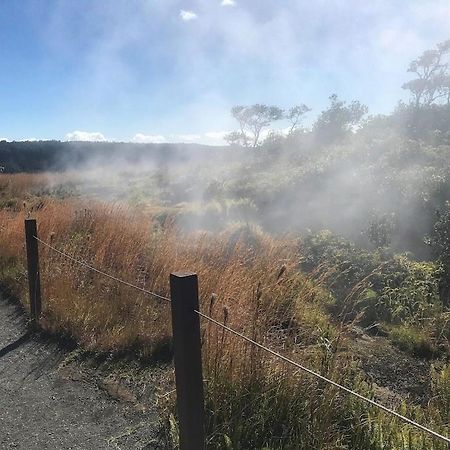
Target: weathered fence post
<point>188,359</point>
<point>34,283</point>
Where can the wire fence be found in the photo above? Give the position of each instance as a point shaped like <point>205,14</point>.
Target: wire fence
<point>242,336</point>
<point>327,380</point>
<point>94,269</point>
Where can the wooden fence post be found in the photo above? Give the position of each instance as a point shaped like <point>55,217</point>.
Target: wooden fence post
<point>34,283</point>
<point>188,359</point>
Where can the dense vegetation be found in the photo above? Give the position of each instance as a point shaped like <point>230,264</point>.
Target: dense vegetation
<point>248,280</point>
<point>302,239</point>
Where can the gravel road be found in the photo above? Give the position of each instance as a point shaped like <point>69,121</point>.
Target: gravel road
<point>50,401</point>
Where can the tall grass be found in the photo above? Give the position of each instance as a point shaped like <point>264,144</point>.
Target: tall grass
<point>249,281</point>
<point>104,315</point>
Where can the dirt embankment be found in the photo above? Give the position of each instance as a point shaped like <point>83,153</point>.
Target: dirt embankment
<point>395,375</point>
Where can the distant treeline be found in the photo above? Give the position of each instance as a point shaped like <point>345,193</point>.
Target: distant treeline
<point>40,156</point>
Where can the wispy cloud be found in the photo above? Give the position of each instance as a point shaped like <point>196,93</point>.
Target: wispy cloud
<point>30,139</point>
<point>187,15</point>
<point>264,52</point>
<point>141,138</point>
<point>216,134</point>
<point>214,137</point>
<point>188,137</point>
<point>207,138</point>
<point>78,135</point>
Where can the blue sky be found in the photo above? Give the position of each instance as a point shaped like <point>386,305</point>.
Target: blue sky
<point>170,70</point>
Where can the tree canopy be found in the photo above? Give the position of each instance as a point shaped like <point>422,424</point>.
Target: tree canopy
<point>432,82</point>
<point>252,120</point>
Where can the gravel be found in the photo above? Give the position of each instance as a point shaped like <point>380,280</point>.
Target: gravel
<point>51,401</point>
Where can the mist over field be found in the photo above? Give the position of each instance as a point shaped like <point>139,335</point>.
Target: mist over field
<point>294,155</point>
<point>344,124</point>
<point>347,172</point>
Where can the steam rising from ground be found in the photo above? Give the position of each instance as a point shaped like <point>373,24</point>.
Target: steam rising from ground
<point>160,72</point>
<point>295,185</point>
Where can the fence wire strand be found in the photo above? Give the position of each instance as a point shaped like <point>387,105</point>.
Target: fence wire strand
<point>261,346</point>
<point>94,269</point>
<point>327,380</point>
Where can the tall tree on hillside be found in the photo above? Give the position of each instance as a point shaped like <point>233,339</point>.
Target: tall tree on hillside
<point>338,120</point>
<point>432,69</point>
<point>252,120</point>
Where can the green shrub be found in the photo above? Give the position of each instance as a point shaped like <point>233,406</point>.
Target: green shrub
<point>413,340</point>
<point>369,286</point>
<point>408,290</point>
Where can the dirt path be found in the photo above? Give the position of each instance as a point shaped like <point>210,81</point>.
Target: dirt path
<point>397,375</point>
<point>48,401</point>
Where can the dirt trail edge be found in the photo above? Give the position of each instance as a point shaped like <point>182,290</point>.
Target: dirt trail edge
<point>48,400</point>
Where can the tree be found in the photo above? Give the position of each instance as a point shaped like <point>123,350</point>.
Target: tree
<point>295,114</point>
<point>433,76</point>
<point>252,120</point>
<point>338,120</point>
<point>236,138</point>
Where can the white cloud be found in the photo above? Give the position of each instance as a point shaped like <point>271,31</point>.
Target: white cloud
<point>187,15</point>
<point>78,135</point>
<point>141,138</point>
<point>228,3</point>
<point>31,139</point>
<point>214,137</point>
<point>187,137</point>
<point>208,138</point>
<point>216,134</point>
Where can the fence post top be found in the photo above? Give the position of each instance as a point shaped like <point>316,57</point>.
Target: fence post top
<point>183,274</point>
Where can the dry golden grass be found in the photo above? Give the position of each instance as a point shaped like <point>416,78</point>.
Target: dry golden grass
<point>20,185</point>
<point>248,280</point>
<point>240,266</point>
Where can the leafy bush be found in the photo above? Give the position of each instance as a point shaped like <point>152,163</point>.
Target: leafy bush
<point>440,242</point>
<point>408,290</point>
<point>412,340</point>
<point>394,290</point>
<point>346,264</point>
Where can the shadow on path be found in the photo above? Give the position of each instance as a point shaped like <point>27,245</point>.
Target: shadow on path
<point>16,344</point>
